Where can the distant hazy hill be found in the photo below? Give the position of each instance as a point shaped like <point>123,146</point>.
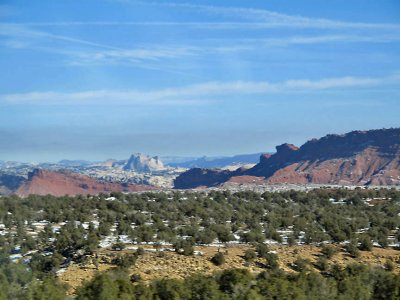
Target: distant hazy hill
<point>217,162</point>
<point>356,158</point>
<point>74,163</point>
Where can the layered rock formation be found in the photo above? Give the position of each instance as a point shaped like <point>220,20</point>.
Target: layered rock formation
<point>44,182</point>
<point>357,158</point>
<point>143,163</point>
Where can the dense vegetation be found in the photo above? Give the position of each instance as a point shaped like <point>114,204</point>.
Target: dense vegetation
<point>353,282</point>
<point>74,226</point>
<point>312,217</point>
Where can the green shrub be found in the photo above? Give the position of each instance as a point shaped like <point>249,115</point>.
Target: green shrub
<point>218,259</point>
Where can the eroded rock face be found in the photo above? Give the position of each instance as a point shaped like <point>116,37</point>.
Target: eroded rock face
<point>144,164</point>
<point>356,158</point>
<point>44,182</point>
<point>369,167</point>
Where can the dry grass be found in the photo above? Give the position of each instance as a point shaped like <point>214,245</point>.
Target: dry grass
<point>152,266</point>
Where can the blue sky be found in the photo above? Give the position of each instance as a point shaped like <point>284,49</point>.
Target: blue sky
<point>99,79</point>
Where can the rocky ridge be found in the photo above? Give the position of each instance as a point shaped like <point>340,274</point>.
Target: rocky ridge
<point>356,158</point>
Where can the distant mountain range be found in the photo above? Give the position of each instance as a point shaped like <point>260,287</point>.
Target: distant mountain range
<point>139,172</point>
<point>356,158</point>
<point>74,163</point>
<point>144,163</point>
<point>217,162</point>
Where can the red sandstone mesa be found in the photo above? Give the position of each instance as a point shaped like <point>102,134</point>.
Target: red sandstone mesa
<point>43,182</point>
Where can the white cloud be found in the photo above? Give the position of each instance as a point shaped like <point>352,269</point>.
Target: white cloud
<point>195,94</point>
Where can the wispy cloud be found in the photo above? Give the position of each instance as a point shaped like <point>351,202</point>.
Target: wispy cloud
<point>22,36</point>
<point>190,95</point>
<point>229,25</point>
<point>154,56</point>
<point>331,38</point>
<point>151,53</point>
<point>22,31</point>
<point>234,18</point>
<point>98,97</point>
<point>268,18</point>
<point>16,44</point>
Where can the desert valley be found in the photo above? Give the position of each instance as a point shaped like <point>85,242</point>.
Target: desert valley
<point>199,150</point>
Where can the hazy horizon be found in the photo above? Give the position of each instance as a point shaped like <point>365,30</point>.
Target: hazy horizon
<point>103,79</point>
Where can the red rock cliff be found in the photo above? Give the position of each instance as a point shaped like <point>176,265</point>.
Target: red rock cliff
<point>356,158</point>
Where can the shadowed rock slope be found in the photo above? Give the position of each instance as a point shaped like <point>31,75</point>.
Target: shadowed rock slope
<point>356,158</point>
<point>9,183</point>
